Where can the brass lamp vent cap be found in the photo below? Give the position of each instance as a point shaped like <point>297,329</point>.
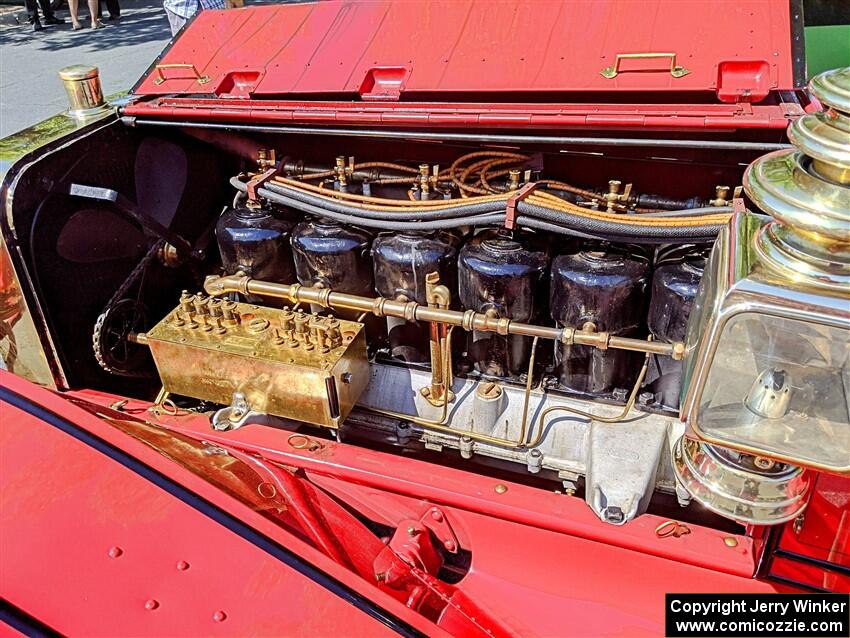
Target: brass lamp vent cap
<point>85,95</point>
<point>77,72</point>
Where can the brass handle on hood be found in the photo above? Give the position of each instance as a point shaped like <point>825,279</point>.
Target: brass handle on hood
<point>613,71</point>
<point>201,79</point>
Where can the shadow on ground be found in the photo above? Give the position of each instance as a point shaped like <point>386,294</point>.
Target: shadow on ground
<point>144,21</point>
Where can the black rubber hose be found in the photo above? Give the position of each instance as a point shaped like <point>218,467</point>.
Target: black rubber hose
<point>531,215</point>
<point>461,210</point>
<point>537,224</point>
<point>382,224</point>
<point>603,227</point>
<point>455,212</point>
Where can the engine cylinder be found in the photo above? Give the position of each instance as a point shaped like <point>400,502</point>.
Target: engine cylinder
<point>330,255</point>
<point>678,270</point>
<point>401,263</point>
<point>605,287</point>
<point>253,241</point>
<point>503,276</point>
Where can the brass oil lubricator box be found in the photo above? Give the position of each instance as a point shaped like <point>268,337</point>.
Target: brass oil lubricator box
<point>290,364</point>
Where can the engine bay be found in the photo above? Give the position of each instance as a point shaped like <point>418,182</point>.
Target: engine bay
<point>521,309</point>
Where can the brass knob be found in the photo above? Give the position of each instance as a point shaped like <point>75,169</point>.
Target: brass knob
<point>228,311</point>
<point>200,304</point>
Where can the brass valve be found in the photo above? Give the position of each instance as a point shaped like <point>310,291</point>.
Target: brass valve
<point>614,198</point>
<point>343,172</point>
<point>183,314</point>
<point>721,196</point>
<point>287,320</point>
<point>514,180</point>
<point>266,159</point>
<point>425,178</point>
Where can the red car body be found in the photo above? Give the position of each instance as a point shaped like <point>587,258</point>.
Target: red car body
<point>119,519</point>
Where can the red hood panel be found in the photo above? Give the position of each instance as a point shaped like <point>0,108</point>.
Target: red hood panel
<point>426,51</point>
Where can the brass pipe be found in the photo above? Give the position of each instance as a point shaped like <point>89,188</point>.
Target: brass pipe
<point>439,298</point>
<point>412,311</point>
<point>630,403</point>
<point>439,425</point>
<point>444,403</point>
<point>527,396</point>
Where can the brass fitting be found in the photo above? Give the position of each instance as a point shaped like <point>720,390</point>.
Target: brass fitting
<point>514,179</point>
<point>266,159</point>
<point>614,198</point>
<point>721,196</point>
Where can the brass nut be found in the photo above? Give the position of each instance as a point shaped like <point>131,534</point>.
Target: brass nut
<point>489,391</point>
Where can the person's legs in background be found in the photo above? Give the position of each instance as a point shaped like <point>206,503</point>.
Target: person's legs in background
<point>94,11</point>
<point>74,6</point>
<point>47,12</point>
<point>114,9</point>
<point>32,15</point>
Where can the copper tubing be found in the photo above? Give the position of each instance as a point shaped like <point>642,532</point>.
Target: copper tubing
<point>527,396</point>
<point>490,155</point>
<point>412,311</point>
<point>563,186</point>
<point>359,167</point>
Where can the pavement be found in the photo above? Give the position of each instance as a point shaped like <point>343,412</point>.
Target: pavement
<point>30,90</point>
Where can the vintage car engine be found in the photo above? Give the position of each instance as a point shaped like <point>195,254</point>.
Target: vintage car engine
<point>482,310</point>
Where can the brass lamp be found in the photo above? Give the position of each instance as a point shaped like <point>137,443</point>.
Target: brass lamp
<point>767,364</point>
